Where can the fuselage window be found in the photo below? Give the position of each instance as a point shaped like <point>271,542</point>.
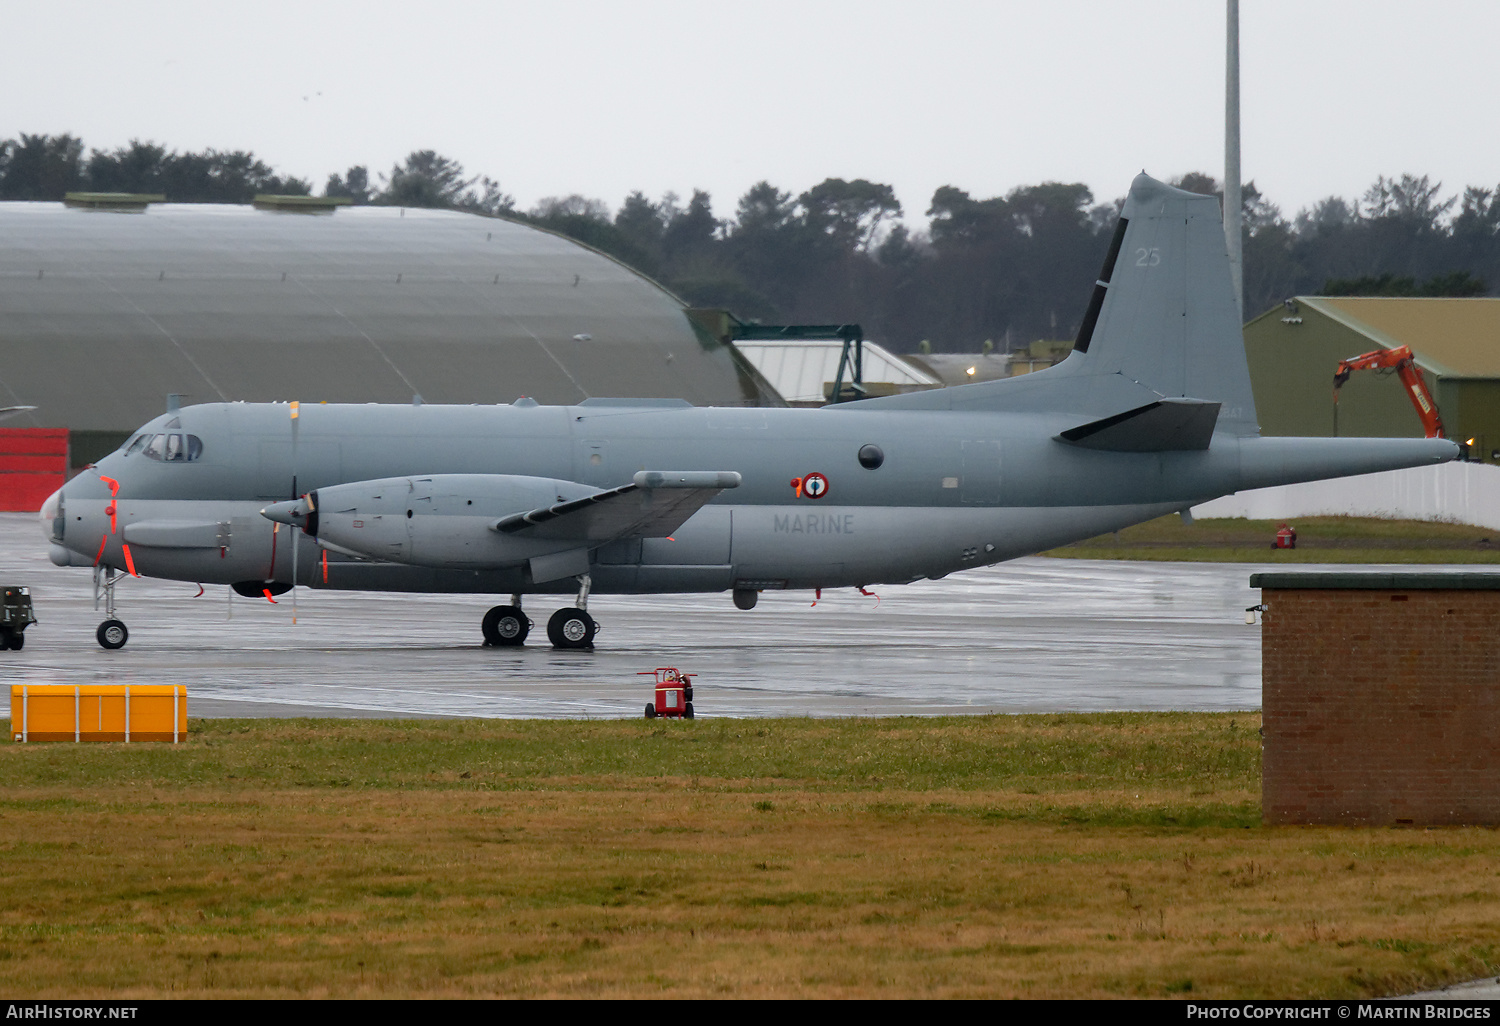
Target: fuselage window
<point>172,448</point>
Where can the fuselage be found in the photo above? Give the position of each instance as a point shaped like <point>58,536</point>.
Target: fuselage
<point>947,491</point>
<point>937,490</point>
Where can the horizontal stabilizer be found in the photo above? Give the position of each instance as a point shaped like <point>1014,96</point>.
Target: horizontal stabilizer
<point>653,505</point>
<point>1169,425</point>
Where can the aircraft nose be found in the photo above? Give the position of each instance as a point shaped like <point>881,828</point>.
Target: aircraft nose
<point>52,516</point>
<point>53,506</point>
<point>54,523</point>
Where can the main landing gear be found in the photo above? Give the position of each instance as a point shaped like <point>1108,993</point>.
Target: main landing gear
<point>573,627</point>
<point>504,626</point>
<point>112,633</point>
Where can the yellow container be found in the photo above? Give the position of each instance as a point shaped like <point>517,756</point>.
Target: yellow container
<point>98,712</point>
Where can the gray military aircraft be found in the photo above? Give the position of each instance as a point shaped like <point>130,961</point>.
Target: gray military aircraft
<point>1151,413</point>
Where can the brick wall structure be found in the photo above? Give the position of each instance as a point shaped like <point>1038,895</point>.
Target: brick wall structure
<point>1380,698</point>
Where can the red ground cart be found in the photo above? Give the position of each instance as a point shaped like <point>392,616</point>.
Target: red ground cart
<point>674,692</point>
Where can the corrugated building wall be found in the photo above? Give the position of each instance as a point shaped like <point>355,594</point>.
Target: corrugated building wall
<point>33,465</point>
<point>1294,349</point>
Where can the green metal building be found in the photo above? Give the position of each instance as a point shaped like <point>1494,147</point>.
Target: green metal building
<point>1294,349</point>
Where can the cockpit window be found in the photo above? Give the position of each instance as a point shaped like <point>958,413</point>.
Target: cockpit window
<point>138,444</point>
<point>171,447</point>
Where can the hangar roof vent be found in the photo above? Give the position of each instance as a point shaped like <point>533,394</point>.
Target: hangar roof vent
<point>121,201</point>
<point>302,204</point>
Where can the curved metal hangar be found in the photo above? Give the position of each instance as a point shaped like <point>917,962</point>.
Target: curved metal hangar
<point>105,313</point>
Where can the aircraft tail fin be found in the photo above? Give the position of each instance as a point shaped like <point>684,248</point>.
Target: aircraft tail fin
<point>1162,324</point>
<point>1163,313</point>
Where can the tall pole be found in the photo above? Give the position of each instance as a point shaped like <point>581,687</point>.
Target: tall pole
<point>1233,202</point>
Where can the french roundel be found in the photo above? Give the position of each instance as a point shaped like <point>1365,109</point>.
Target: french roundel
<point>815,486</point>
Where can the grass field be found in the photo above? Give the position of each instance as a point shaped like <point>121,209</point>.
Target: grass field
<point>1032,856</point>
<point>1319,540</point>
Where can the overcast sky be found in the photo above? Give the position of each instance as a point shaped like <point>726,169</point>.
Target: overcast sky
<point>601,98</point>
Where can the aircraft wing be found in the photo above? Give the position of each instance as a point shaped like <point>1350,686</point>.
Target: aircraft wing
<point>653,505</point>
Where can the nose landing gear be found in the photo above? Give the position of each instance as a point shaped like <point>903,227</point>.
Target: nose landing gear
<point>112,633</point>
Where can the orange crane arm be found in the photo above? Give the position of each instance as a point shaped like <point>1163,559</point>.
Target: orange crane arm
<point>1400,360</point>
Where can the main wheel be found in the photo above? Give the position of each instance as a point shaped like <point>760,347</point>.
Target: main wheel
<point>650,710</point>
<point>7,640</point>
<point>688,711</point>
<point>571,628</point>
<point>112,634</point>
<point>504,626</point>
<point>17,640</point>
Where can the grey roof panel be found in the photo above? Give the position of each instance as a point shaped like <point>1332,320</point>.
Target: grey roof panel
<point>103,314</point>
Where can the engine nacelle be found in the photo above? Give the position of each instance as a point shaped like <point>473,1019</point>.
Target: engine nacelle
<point>444,521</point>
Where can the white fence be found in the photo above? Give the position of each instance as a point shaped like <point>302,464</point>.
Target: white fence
<point>1465,493</point>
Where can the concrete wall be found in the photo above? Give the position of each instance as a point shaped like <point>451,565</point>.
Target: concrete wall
<point>1381,706</point>
<point>1465,493</point>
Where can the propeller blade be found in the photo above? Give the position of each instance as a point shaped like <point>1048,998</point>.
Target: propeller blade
<point>306,507</point>
<point>296,536</point>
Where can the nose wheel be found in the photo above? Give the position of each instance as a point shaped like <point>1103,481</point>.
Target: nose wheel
<point>112,633</point>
